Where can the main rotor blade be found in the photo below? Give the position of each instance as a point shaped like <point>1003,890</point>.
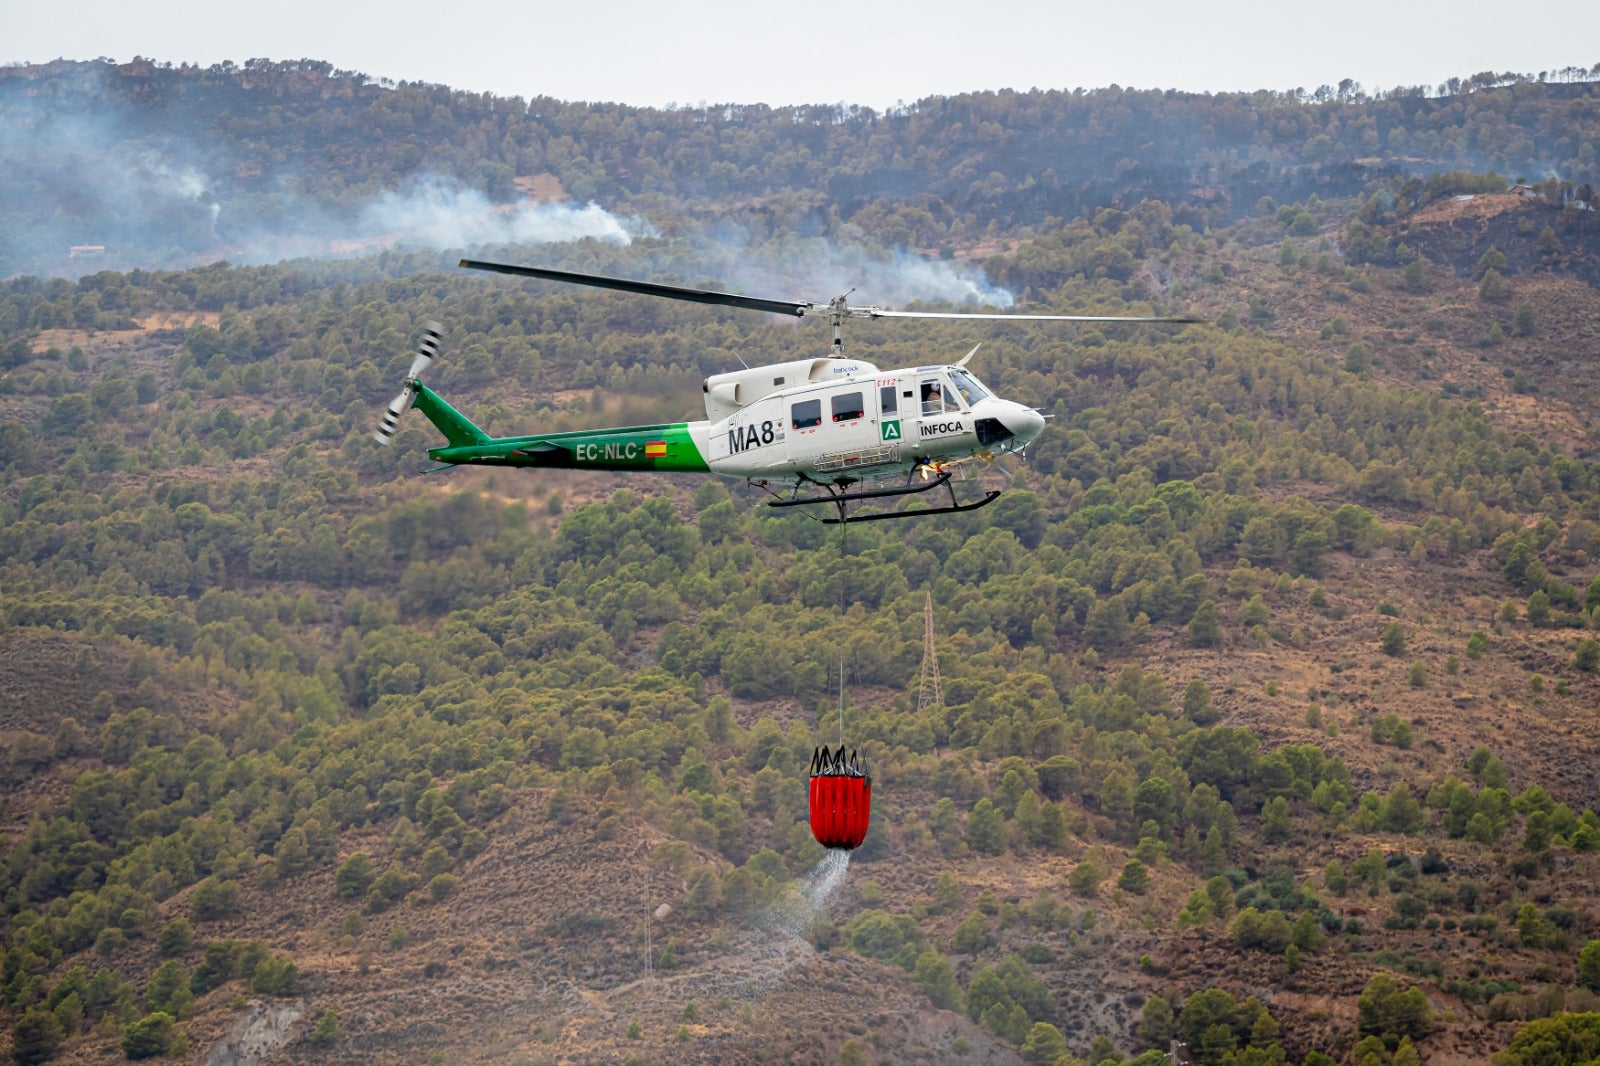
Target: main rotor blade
<point>878,312</point>
<point>647,288</point>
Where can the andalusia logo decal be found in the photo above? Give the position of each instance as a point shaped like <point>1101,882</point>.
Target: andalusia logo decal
<point>891,429</point>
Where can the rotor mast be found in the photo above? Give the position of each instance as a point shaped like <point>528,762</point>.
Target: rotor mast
<point>838,311</point>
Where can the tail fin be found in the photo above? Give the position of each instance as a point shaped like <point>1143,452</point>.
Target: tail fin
<point>457,428</point>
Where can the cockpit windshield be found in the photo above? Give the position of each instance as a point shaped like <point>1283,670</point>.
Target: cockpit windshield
<point>968,386</point>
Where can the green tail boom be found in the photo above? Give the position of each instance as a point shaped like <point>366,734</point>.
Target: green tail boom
<point>665,446</point>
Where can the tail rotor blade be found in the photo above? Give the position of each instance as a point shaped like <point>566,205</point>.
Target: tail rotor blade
<point>384,434</point>
<point>427,349</point>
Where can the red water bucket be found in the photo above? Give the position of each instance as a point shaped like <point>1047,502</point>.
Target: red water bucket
<point>841,799</point>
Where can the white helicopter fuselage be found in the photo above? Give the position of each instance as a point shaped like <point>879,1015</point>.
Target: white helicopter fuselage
<point>847,421</point>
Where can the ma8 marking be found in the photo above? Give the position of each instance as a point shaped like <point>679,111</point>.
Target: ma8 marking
<point>742,438</point>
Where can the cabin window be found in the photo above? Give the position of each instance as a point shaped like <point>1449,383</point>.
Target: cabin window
<point>887,400</point>
<point>933,397</point>
<point>848,407</point>
<point>806,414</point>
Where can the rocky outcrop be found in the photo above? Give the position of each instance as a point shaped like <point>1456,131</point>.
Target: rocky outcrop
<point>263,1028</point>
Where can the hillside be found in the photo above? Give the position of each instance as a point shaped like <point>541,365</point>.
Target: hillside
<point>151,165</point>
<point>1270,683</point>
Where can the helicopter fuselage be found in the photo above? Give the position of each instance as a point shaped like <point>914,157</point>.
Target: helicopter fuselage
<point>868,425</point>
<point>855,424</point>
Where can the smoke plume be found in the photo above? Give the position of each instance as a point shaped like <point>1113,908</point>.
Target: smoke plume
<point>435,212</point>
<point>818,268</point>
<point>94,182</point>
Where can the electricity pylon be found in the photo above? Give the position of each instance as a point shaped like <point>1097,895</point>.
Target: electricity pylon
<point>931,693</point>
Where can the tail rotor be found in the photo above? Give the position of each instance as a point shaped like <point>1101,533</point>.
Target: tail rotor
<point>427,351</point>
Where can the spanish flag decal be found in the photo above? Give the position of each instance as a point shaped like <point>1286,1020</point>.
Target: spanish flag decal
<point>655,449</point>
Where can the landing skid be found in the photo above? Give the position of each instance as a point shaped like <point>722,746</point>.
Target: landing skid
<point>841,498</point>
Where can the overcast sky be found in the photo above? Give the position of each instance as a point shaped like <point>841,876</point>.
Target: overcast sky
<point>876,52</point>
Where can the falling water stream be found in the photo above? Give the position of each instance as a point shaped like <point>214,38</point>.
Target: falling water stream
<point>786,927</point>
<point>810,904</point>
<point>802,907</point>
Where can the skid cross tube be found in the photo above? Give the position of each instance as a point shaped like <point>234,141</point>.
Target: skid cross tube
<point>841,498</point>
<point>989,497</point>
<point>837,496</point>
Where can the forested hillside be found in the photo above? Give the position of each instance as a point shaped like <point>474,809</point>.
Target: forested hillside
<point>1269,727</point>
<point>167,165</point>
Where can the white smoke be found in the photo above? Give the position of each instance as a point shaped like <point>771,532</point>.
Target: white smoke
<point>818,268</point>
<point>162,178</point>
<point>176,179</point>
<point>98,171</point>
<point>943,281</point>
<point>437,213</point>
<point>103,172</point>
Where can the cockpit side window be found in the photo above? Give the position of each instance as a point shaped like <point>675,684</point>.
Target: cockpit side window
<point>968,386</point>
<point>938,398</point>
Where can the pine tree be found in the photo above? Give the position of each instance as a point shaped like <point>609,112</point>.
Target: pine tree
<point>1135,878</point>
<point>168,990</point>
<point>1044,1044</point>
<point>1085,878</point>
<point>1493,287</point>
<point>1589,966</point>
<point>986,831</point>
<point>1197,705</point>
<point>148,1037</point>
<point>1401,811</point>
<point>1205,627</point>
<point>1197,911</point>
<point>1156,1023</point>
<point>938,979</point>
<point>1587,657</point>
<point>1394,640</point>
<point>36,1038</point>
<point>327,1030</point>
<point>1275,824</point>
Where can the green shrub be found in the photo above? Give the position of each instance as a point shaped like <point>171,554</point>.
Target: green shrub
<point>148,1036</point>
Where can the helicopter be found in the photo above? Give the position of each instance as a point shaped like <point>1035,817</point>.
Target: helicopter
<point>834,431</point>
